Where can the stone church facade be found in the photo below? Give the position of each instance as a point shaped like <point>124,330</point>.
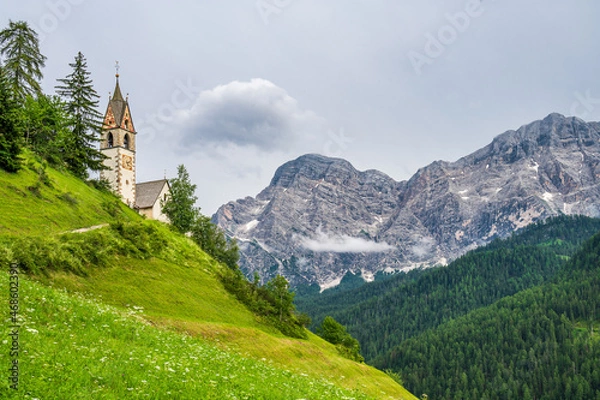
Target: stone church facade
<point>118,144</point>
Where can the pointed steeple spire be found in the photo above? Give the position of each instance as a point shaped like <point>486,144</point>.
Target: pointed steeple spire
<point>117,113</point>
<point>118,96</point>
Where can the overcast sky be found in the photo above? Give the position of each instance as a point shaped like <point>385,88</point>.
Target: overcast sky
<point>234,88</point>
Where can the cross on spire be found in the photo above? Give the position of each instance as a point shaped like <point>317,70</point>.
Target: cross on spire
<point>117,68</point>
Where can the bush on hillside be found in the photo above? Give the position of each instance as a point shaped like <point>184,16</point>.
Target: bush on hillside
<point>335,333</point>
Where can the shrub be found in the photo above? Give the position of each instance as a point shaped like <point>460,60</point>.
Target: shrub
<point>335,333</point>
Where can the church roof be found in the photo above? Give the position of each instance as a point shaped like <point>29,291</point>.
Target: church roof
<point>118,104</point>
<point>147,193</point>
<point>118,95</point>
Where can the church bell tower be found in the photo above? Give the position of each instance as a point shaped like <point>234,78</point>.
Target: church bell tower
<point>118,144</point>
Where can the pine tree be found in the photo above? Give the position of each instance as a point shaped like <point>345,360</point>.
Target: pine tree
<point>81,102</point>
<point>283,299</point>
<point>9,135</point>
<point>23,61</point>
<point>180,205</point>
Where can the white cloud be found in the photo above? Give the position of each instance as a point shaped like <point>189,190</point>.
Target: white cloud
<point>324,242</point>
<point>423,247</point>
<point>256,114</point>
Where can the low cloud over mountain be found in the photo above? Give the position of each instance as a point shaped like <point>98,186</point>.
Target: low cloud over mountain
<point>323,242</point>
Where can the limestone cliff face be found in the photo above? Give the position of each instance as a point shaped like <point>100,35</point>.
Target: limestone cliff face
<point>320,218</point>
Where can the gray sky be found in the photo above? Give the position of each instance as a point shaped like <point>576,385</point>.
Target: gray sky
<point>233,89</point>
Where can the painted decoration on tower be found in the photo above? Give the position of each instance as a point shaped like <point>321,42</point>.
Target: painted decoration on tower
<point>127,162</point>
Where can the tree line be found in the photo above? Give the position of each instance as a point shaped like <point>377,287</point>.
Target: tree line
<point>61,128</point>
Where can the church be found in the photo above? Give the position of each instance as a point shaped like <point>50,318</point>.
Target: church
<point>118,144</point>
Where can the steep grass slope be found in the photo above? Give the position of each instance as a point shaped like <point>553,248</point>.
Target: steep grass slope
<point>41,201</point>
<point>142,268</point>
<point>75,348</point>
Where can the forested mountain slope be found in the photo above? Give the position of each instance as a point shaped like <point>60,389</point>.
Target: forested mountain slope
<point>383,314</point>
<point>541,343</point>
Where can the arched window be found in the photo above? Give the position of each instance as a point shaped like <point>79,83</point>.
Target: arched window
<point>127,124</point>
<point>126,141</point>
<point>110,139</point>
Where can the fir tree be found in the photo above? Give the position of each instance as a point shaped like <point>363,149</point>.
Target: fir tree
<point>81,102</point>
<point>23,61</point>
<point>186,218</point>
<point>283,299</point>
<point>9,135</point>
<point>180,205</point>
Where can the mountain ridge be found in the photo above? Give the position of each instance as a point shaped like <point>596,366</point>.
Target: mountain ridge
<point>544,168</point>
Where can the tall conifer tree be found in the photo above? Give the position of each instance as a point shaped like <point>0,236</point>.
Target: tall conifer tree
<point>9,135</point>
<point>81,101</point>
<point>23,61</point>
<point>180,205</point>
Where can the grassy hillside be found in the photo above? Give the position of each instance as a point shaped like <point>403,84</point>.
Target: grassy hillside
<point>41,201</point>
<point>170,311</point>
<point>76,348</point>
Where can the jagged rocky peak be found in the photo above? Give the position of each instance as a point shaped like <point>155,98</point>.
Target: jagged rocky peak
<point>313,167</point>
<point>320,218</point>
<point>554,131</point>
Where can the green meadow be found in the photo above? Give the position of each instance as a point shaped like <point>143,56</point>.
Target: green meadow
<point>73,347</point>
<point>134,310</point>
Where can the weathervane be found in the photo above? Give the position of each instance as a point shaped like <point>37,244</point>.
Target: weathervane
<point>117,68</point>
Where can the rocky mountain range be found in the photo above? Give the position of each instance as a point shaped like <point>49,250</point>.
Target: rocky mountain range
<point>320,218</point>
